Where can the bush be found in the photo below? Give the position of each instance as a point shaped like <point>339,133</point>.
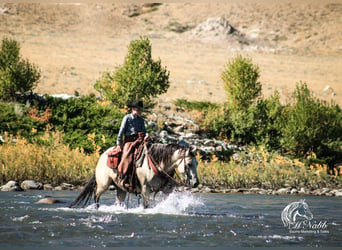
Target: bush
<point>240,79</point>
<point>311,126</point>
<point>241,112</point>
<point>85,123</point>
<point>140,77</point>
<point>54,163</point>
<point>195,105</point>
<point>16,74</point>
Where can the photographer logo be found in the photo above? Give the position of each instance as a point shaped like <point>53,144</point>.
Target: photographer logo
<point>298,218</point>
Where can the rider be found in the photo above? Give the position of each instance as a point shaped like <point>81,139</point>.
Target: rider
<point>131,135</point>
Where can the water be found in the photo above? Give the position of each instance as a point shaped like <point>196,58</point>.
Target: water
<point>182,219</point>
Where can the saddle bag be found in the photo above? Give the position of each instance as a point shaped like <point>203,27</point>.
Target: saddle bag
<point>114,157</point>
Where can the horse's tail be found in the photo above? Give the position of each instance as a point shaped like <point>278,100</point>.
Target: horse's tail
<point>86,194</point>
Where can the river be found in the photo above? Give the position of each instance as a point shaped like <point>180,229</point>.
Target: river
<point>181,219</point>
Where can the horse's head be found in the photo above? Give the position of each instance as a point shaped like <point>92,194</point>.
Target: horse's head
<point>188,167</point>
<point>295,212</point>
<point>303,210</point>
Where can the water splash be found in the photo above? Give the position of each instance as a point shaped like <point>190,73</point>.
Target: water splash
<point>177,203</point>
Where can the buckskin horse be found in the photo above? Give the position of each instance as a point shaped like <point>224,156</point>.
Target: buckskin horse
<point>154,170</point>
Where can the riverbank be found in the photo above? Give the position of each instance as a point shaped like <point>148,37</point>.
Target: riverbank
<point>248,170</point>
<point>331,192</point>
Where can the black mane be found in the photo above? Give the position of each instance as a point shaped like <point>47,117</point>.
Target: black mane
<point>163,152</point>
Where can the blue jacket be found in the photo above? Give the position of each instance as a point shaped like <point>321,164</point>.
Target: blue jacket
<point>131,125</point>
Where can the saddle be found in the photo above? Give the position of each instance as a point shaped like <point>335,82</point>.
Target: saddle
<point>114,157</point>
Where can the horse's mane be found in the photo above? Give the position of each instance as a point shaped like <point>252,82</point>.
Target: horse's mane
<point>288,213</point>
<point>163,152</point>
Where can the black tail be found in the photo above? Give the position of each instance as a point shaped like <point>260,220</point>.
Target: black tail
<point>86,194</point>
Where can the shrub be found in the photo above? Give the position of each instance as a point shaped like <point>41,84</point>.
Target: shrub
<point>85,123</point>
<point>259,168</point>
<point>53,163</point>
<point>16,74</point>
<point>268,116</point>
<point>310,125</point>
<point>140,77</point>
<point>195,105</point>
<point>240,79</point>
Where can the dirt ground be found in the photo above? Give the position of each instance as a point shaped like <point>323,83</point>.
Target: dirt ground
<point>290,42</point>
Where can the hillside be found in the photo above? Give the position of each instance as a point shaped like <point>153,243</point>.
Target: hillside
<point>290,41</point>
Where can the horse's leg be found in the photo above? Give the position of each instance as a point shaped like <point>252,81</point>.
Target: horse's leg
<point>120,196</point>
<point>99,191</point>
<point>103,183</point>
<point>145,194</point>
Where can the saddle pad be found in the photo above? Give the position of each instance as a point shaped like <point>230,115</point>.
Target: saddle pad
<point>114,157</point>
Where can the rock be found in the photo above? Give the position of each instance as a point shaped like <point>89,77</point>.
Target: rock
<point>49,201</point>
<point>293,191</point>
<point>31,185</point>
<point>47,187</point>
<point>65,186</point>
<point>11,186</point>
<point>58,188</point>
<point>338,193</point>
<point>153,126</point>
<point>132,11</point>
<point>283,191</point>
<point>242,190</point>
<point>302,191</point>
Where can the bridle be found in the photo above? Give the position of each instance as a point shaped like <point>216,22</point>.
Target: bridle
<point>161,173</point>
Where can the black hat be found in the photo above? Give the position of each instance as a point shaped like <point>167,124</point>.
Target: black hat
<point>136,104</point>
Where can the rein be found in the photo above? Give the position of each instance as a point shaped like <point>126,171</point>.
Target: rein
<point>152,164</point>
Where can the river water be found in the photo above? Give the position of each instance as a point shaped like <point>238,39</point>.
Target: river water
<point>181,219</point>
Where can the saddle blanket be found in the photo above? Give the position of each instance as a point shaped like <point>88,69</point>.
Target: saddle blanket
<point>114,157</point>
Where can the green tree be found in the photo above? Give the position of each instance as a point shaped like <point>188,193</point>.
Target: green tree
<point>240,79</point>
<point>140,77</point>
<point>16,74</point>
<point>241,83</point>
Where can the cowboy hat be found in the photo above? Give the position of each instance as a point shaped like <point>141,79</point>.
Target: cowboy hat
<point>136,104</point>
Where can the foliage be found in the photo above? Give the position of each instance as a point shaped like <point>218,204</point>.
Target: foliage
<point>195,105</point>
<point>306,127</point>
<point>53,162</point>
<point>80,117</point>
<point>82,120</point>
<point>311,125</point>
<point>140,77</point>
<point>16,74</point>
<point>241,111</point>
<point>262,169</point>
<point>240,79</point>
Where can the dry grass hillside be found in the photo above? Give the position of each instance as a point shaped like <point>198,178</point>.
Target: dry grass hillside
<point>290,41</point>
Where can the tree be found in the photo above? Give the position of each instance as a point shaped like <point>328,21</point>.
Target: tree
<point>140,77</point>
<point>240,79</point>
<point>16,74</point>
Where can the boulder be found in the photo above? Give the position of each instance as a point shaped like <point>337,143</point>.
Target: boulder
<point>49,201</point>
<point>283,191</point>
<point>31,185</point>
<point>11,186</point>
